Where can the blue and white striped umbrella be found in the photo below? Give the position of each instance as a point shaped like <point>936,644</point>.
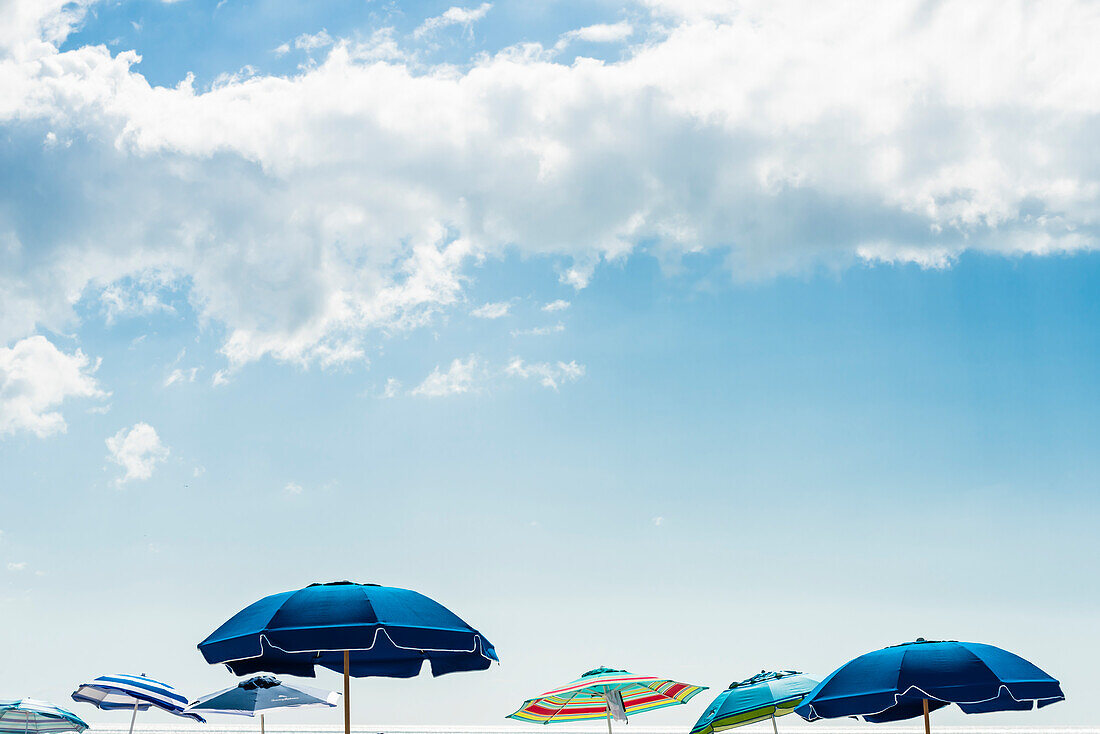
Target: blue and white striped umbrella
<point>136,692</point>
<point>24,715</point>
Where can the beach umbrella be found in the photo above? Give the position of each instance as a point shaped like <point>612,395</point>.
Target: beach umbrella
<point>136,692</point>
<point>24,715</point>
<point>360,629</point>
<point>912,679</point>
<point>263,693</point>
<point>763,696</point>
<point>605,693</point>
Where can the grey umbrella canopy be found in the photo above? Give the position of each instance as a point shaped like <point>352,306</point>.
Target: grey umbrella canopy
<point>263,693</point>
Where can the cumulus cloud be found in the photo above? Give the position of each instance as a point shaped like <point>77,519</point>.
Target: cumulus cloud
<point>458,379</point>
<point>454,15</point>
<point>302,214</point>
<point>292,488</point>
<point>17,566</point>
<point>548,374</point>
<point>558,305</point>
<point>491,310</point>
<point>137,450</point>
<point>35,379</point>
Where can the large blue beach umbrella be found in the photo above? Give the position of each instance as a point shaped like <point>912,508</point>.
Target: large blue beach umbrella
<point>263,693</point>
<point>136,692</point>
<point>362,629</point>
<point>912,679</point>
<point>766,695</point>
<point>28,716</point>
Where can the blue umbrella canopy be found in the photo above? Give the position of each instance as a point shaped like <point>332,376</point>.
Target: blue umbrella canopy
<point>908,680</point>
<point>263,693</point>
<point>387,632</point>
<point>23,715</point>
<point>761,697</point>
<point>362,629</point>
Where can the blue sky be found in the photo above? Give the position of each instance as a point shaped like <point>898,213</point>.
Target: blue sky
<point>637,334</point>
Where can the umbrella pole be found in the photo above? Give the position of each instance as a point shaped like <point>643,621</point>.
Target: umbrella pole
<point>774,727</point>
<point>608,712</point>
<point>261,724</point>
<point>134,718</point>
<point>347,691</point>
<point>927,725</point>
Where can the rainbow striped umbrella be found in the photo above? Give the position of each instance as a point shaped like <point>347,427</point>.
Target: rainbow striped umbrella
<point>605,693</point>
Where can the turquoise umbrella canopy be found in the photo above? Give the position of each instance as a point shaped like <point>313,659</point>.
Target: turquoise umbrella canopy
<point>764,696</point>
<point>26,715</point>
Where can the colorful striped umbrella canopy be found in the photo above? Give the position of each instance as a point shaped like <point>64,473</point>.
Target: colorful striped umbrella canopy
<point>25,715</point>
<point>763,696</point>
<point>136,692</point>
<point>597,692</point>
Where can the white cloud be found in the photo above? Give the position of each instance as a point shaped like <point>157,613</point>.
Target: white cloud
<point>179,375</point>
<point>540,330</point>
<point>221,377</point>
<point>339,354</point>
<point>491,310</point>
<point>558,305</point>
<point>313,41</point>
<point>302,214</point>
<point>35,379</point>
<point>392,388</point>
<point>292,488</point>
<point>458,379</point>
<point>599,33</point>
<point>137,450</point>
<point>454,15</point>
<point>658,521</point>
<point>548,374</point>
<point>17,566</point>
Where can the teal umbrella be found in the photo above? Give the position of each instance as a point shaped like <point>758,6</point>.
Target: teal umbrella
<point>761,697</point>
<point>26,715</point>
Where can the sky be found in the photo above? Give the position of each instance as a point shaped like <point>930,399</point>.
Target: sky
<point>690,337</point>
